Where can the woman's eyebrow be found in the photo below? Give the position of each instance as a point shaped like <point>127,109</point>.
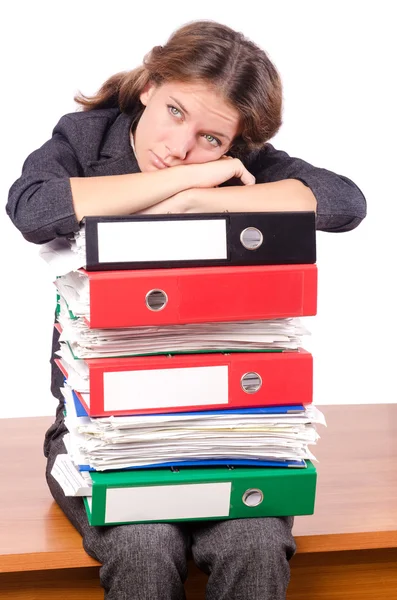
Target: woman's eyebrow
<point>187,113</point>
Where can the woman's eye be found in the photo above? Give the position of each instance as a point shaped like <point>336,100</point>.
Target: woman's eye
<point>212,140</point>
<point>174,110</point>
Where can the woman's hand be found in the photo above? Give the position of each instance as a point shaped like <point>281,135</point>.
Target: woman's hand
<point>204,175</point>
<point>211,174</point>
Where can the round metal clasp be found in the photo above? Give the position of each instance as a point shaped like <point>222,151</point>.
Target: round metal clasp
<point>251,238</point>
<point>156,300</point>
<point>251,382</point>
<point>253,497</point>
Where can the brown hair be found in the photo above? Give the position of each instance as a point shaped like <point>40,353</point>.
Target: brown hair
<point>213,53</point>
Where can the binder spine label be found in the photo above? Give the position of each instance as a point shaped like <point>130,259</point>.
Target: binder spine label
<point>161,388</point>
<point>144,241</point>
<point>184,501</point>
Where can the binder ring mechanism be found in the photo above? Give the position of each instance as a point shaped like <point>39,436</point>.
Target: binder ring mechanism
<point>253,497</point>
<point>251,382</point>
<point>251,238</point>
<point>156,300</point>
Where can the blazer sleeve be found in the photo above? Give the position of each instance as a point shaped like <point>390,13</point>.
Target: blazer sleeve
<point>40,201</point>
<point>341,206</point>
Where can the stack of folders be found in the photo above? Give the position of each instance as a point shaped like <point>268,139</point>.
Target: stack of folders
<point>188,395</point>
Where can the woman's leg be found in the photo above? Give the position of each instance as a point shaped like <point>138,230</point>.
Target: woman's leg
<point>139,562</point>
<point>246,559</point>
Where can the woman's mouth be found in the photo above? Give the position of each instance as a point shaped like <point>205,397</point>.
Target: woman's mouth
<point>160,164</point>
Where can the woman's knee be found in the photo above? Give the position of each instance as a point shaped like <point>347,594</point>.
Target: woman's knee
<point>270,537</point>
<point>151,559</point>
<point>245,558</point>
<point>140,544</point>
<point>250,541</point>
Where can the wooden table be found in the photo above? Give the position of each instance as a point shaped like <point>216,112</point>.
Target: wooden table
<point>346,550</point>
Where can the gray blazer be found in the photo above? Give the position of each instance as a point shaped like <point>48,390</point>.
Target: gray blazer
<point>86,144</point>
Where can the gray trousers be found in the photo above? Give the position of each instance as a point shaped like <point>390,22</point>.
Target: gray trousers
<point>246,559</point>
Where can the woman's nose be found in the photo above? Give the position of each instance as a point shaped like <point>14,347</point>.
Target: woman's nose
<point>180,144</point>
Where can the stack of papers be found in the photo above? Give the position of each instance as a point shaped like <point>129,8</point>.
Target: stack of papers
<point>75,290</point>
<point>127,442</point>
<point>64,255</point>
<point>83,342</point>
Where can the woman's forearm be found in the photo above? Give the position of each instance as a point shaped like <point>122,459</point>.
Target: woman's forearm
<point>126,194</point>
<point>286,195</point>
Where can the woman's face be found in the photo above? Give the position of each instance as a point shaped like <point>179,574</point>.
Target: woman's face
<point>183,123</point>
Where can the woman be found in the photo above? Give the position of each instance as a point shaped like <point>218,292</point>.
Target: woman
<point>185,132</point>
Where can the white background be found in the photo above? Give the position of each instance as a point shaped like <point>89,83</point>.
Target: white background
<point>338,64</point>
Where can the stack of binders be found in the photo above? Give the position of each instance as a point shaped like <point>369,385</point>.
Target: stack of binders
<point>188,396</point>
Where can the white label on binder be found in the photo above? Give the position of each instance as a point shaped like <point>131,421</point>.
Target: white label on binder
<point>158,502</point>
<point>141,241</point>
<point>160,388</point>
